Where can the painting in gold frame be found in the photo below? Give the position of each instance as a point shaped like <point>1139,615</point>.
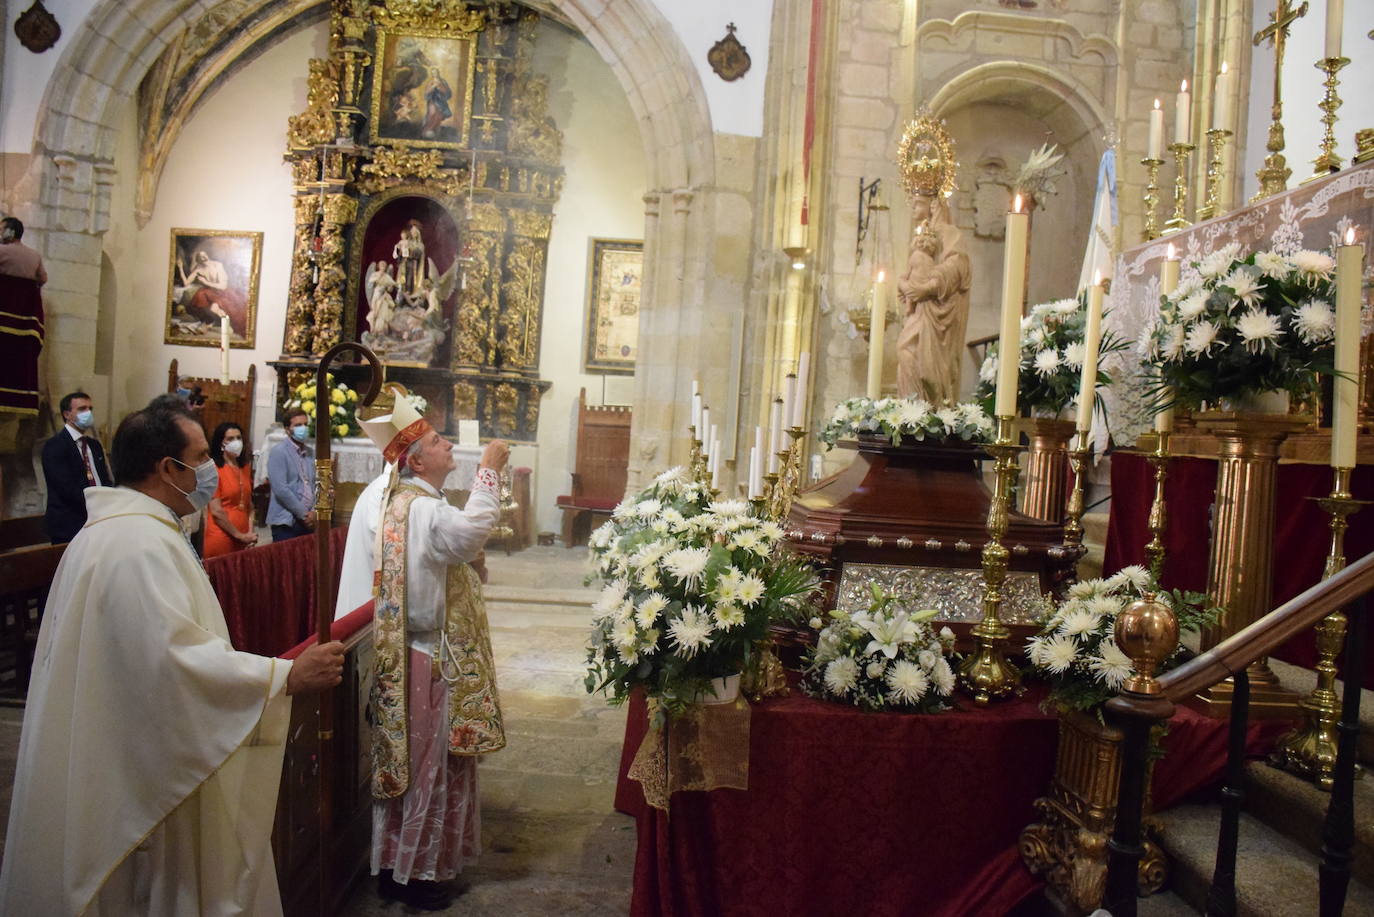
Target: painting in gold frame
<point>616,280</point>
<point>422,88</point>
<point>213,273</point>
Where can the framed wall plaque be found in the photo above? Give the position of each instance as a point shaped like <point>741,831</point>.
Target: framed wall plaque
<point>615,282</point>
<point>213,272</point>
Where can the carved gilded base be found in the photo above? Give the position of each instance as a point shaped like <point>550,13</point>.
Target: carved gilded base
<point>1069,842</point>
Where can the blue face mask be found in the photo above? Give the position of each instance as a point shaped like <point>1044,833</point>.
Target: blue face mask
<point>299,433</point>
<point>183,393</point>
<point>85,419</point>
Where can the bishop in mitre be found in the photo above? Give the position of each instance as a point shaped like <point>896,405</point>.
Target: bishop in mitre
<point>434,700</point>
<point>152,750</point>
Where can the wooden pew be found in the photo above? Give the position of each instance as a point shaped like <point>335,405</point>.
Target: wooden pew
<point>26,575</point>
<point>601,468</point>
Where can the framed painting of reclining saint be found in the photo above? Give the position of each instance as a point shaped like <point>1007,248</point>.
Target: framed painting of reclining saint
<point>422,88</point>
<point>213,273</point>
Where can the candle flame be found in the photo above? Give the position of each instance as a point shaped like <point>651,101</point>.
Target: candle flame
<point>882,275</point>
<point>1156,104</point>
<point>1350,235</point>
<point>1183,87</point>
<point>1016,204</point>
<point>1225,66</point>
<point>1097,277</point>
<point>1173,252</point>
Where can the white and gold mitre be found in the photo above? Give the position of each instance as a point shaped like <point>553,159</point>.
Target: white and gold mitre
<point>394,433</point>
<point>926,157</point>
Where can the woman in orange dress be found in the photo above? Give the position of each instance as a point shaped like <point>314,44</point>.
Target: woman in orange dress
<point>229,527</point>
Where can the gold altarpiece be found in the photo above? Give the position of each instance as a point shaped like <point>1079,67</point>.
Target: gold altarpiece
<point>490,160</point>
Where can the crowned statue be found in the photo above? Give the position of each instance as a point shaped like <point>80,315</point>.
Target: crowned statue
<point>934,287</point>
<point>405,297</point>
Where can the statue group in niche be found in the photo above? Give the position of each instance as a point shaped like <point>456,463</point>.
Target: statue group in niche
<point>405,297</point>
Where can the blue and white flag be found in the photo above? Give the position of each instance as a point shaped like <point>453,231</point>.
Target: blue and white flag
<point>1100,253</point>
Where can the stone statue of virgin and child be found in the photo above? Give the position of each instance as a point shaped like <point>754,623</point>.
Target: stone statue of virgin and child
<point>934,287</point>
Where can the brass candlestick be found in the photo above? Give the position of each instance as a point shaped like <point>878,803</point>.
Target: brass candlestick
<point>1273,175</point>
<point>1151,197</point>
<point>1328,161</point>
<point>1216,171</point>
<point>986,674</point>
<point>1310,750</point>
<point>789,477</point>
<point>1073,512</point>
<point>1179,220</point>
<point>1159,518</point>
<point>696,459</point>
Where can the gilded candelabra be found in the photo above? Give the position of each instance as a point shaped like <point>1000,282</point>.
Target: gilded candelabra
<point>783,485</point>
<point>1273,175</point>
<point>1151,197</point>
<point>1073,512</point>
<point>696,459</point>
<point>1310,750</point>
<point>1159,517</point>
<point>1180,220</point>
<point>1216,171</point>
<point>1328,161</point>
<point>986,674</point>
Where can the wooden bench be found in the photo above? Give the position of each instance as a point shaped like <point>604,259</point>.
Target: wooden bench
<point>601,468</point>
<point>232,402</point>
<point>26,575</point>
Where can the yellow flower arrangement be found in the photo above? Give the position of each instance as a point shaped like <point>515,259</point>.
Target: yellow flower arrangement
<point>341,400</point>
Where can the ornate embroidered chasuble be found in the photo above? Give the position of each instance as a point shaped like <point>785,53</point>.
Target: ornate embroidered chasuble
<point>464,659</point>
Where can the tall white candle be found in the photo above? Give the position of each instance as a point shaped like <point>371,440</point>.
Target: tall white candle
<point>776,434</point>
<point>789,397</point>
<point>696,413</point>
<point>877,327</point>
<point>754,489</point>
<point>803,392</point>
<point>1013,294</point>
<point>1335,18</point>
<point>1168,282</point>
<point>1221,99</point>
<point>704,431</point>
<point>1092,338</point>
<point>1183,114</point>
<point>758,446</point>
<point>715,441</point>
<point>224,349</point>
<point>1349,274</point>
<point>1157,132</point>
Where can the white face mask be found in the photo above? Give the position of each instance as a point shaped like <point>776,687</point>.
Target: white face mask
<point>207,482</point>
<point>234,447</point>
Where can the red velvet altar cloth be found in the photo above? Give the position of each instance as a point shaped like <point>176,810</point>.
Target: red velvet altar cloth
<point>340,630</point>
<point>1301,533</point>
<point>875,813</point>
<point>268,593</point>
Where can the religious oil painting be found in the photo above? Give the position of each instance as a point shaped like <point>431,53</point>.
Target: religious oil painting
<point>422,89</point>
<point>617,272</point>
<point>213,274</point>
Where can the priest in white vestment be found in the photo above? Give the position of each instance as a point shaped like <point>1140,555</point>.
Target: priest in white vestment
<point>151,750</point>
<point>434,698</point>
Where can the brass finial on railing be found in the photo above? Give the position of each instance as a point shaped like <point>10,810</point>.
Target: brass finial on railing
<point>1146,631</point>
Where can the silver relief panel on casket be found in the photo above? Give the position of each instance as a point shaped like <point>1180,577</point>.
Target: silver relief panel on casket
<point>957,594</point>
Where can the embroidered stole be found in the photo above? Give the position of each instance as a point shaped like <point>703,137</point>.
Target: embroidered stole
<point>464,659</point>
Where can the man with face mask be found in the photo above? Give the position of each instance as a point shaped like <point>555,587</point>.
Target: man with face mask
<point>72,461</point>
<point>151,750</point>
<point>291,474</point>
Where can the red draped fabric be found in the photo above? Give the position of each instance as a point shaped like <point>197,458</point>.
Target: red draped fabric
<point>1301,537</point>
<point>876,814</point>
<point>268,592</point>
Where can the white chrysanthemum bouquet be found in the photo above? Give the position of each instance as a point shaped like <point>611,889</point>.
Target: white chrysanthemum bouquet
<point>1076,648</point>
<point>896,418</point>
<point>690,585</point>
<point>1051,358</point>
<point>1242,326</point>
<point>886,657</point>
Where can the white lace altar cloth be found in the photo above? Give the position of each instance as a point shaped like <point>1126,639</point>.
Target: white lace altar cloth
<point>1313,216</point>
<point>357,461</point>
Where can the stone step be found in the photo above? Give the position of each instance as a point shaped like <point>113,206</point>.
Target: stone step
<point>1165,904</point>
<point>1297,809</point>
<point>1275,875</point>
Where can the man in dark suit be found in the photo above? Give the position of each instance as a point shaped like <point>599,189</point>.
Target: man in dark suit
<point>72,461</point>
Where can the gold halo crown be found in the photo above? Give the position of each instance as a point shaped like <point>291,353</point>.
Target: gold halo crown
<point>926,157</point>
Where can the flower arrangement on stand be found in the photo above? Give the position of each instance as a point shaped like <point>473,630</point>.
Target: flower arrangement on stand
<point>1076,651</point>
<point>341,402</point>
<point>1051,358</point>
<point>1242,326</point>
<point>690,585</point>
<point>886,657</point>
<point>897,418</point>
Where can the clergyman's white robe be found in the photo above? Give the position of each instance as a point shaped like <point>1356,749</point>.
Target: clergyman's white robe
<point>152,750</point>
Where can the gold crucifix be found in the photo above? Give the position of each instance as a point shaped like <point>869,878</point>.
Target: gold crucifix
<point>1273,175</point>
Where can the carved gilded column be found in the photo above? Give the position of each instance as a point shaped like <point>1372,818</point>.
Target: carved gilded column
<point>475,328</point>
<point>300,303</point>
<point>339,211</point>
<point>1240,572</point>
<point>523,291</point>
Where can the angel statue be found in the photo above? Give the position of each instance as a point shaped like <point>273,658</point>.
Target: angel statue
<point>403,326</point>
<point>381,295</point>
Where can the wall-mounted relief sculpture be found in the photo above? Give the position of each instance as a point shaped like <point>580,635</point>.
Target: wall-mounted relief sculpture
<point>728,58</point>
<point>37,29</point>
<point>213,274</point>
